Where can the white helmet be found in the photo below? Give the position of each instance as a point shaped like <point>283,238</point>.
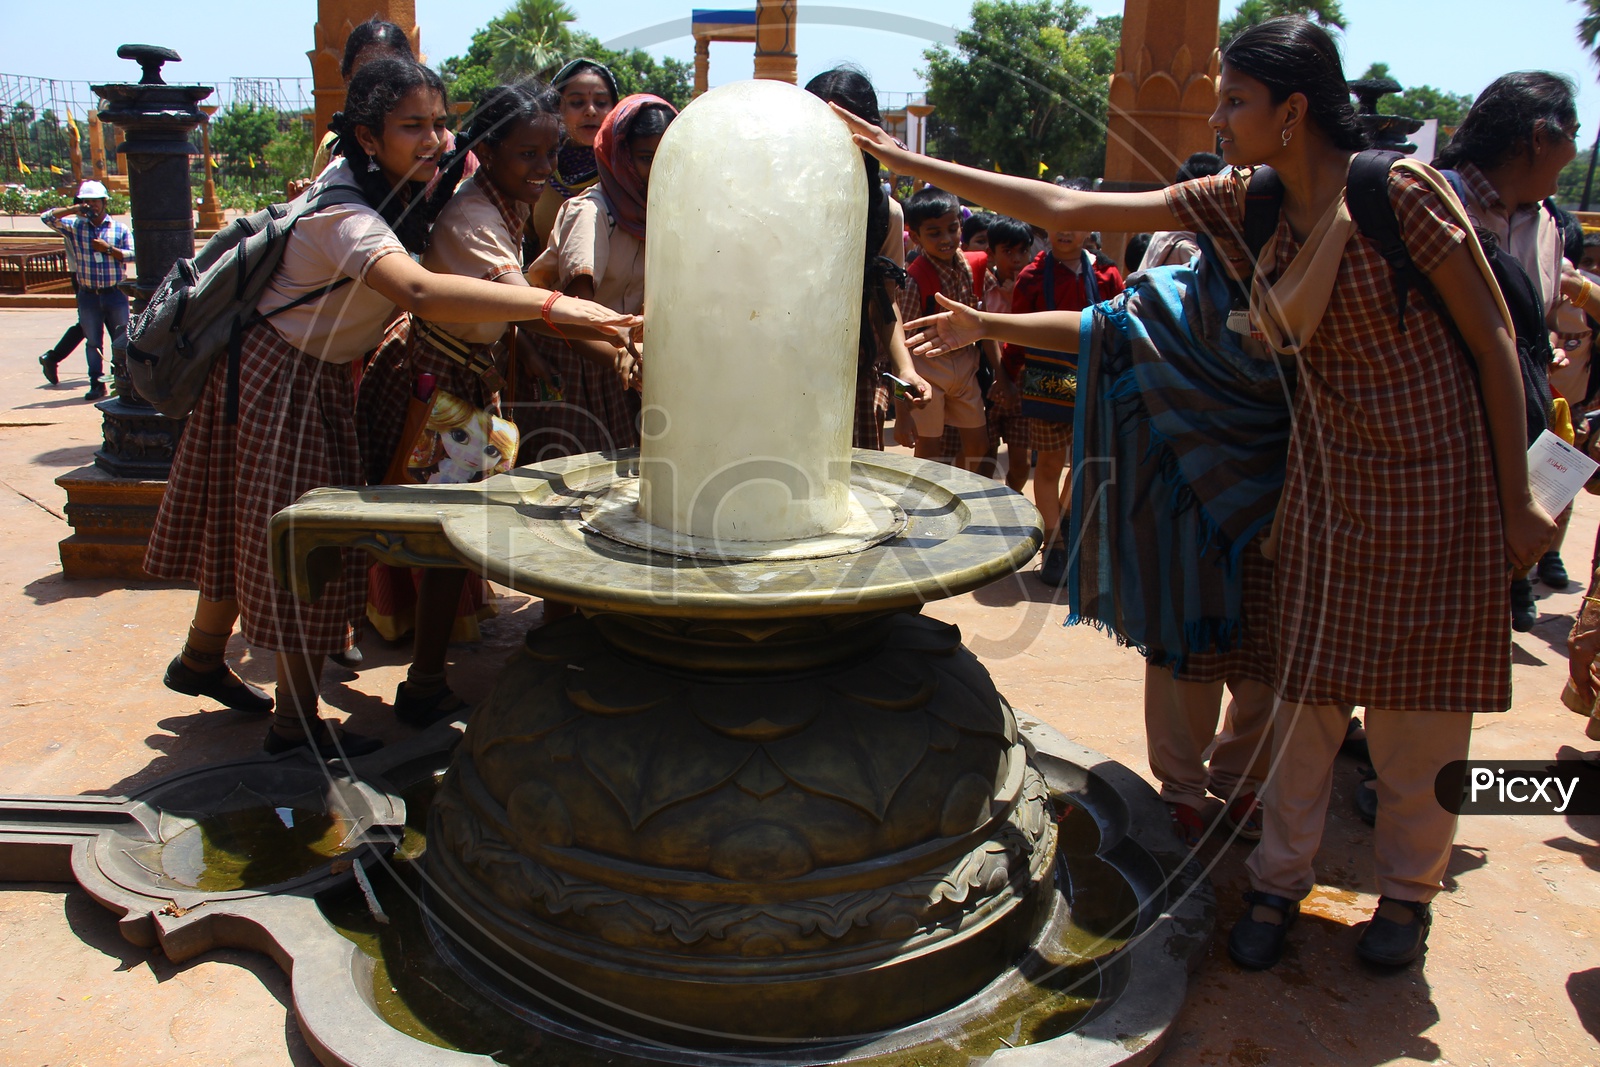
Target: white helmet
<point>92,190</point>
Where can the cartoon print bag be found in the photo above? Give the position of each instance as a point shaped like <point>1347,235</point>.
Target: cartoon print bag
<point>447,440</point>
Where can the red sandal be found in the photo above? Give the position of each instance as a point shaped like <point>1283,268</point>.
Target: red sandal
<point>1243,816</point>
<point>1187,825</point>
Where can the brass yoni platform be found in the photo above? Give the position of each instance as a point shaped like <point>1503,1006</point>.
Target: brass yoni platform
<point>736,802</point>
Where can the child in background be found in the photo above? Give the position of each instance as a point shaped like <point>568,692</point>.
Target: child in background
<point>1010,249</point>
<point>934,219</point>
<point>1068,277</point>
<point>588,93</point>
<point>882,346</point>
<point>975,231</point>
<point>596,252</point>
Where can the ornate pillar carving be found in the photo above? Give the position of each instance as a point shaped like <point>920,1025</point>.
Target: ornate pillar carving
<point>335,20</point>
<point>702,65</point>
<point>1164,89</point>
<point>775,28</point>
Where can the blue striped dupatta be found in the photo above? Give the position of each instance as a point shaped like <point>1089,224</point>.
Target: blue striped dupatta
<point>1179,445</point>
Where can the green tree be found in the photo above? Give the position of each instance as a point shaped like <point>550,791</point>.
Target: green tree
<point>530,38</point>
<point>1589,28</point>
<point>1326,13</point>
<point>289,154</point>
<point>241,134</point>
<point>469,75</point>
<point>1027,85</point>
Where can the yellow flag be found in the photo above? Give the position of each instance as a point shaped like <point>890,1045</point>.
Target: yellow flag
<point>997,168</point>
<point>73,126</point>
<point>1043,166</point>
<point>54,169</point>
<point>252,162</point>
<point>23,167</point>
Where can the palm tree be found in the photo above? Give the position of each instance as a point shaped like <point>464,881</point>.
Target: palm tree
<point>1325,13</point>
<point>529,38</point>
<point>1589,37</point>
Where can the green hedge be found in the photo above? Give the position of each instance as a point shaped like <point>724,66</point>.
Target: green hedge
<point>15,201</point>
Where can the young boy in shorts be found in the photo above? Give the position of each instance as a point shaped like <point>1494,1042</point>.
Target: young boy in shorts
<point>1010,249</point>
<point>933,218</point>
<point>1079,280</point>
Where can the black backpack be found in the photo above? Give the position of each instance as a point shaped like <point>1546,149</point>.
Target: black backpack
<point>1367,193</point>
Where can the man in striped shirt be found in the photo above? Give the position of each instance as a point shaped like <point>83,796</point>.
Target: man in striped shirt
<point>99,246</point>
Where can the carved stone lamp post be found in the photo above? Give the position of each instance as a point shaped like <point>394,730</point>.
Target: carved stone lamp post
<point>1386,131</point>
<point>112,504</point>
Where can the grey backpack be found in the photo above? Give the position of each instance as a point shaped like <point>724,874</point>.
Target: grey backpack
<point>204,305</point>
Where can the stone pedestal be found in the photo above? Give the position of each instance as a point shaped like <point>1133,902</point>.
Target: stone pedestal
<point>111,519</point>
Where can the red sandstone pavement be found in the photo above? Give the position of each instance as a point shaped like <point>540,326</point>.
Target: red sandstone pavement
<point>1512,974</point>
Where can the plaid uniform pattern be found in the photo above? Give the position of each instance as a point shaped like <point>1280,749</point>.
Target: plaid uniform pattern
<point>1389,475</point>
<point>384,396</point>
<point>1255,655</point>
<point>296,432</point>
<point>955,281</point>
<point>595,413</point>
<point>91,269</point>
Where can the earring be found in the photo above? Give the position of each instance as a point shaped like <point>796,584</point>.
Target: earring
<point>372,164</point>
<point>1286,135</point>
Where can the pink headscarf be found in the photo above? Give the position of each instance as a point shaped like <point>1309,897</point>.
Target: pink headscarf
<point>621,182</point>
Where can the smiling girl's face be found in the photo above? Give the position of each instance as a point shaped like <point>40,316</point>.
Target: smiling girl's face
<point>1249,125</point>
<point>413,136</point>
<point>519,165</point>
<point>585,102</point>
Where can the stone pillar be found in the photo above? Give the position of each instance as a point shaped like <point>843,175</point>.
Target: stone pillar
<point>1163,91</point>
<point>702,65</point>
<point>97,146</point>
<point>775,28</point>
<point>112,504</point>
<point>335,20</point>
<point>211,216</point>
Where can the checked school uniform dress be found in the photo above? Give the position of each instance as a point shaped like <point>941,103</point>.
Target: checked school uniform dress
<point>872,394</point>
<point>478,234</point>
<point>595,412</point>
<point>1389,475</point>
<point>295,432</point>
<point>957,398</point>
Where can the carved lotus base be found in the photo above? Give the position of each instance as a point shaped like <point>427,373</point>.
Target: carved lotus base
<point>725,859</point>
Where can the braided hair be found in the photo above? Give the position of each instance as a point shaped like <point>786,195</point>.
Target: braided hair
<point>851,90</point>
<point>498,113</point>
<point>375,91</point>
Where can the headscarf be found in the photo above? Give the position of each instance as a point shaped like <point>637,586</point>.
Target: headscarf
<point>619,180</point>
<point>575,165</point>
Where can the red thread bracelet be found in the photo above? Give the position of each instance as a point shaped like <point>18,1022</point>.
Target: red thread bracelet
<point>544,312</point>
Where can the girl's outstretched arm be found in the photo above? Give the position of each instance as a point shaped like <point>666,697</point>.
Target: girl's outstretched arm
<point>937,335</point>
<point>1035,202</point>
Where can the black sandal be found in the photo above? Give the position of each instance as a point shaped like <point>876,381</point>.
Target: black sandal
<point>1391,944</point>
<point>1256,945</point>
<point>220,684</point>
<point>423,708</point>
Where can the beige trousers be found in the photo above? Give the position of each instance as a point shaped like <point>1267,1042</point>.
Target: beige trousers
<point>1180,725</point>
<point>1411,846</point>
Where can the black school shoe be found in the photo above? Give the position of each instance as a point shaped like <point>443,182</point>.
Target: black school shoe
<point>1256,945</point>
<point>1524,612</point>
<point>1552,572</point>
<point>47,363</point>
<point>1391,944</point>
<point>221,685</point>
<point>97,391</point>
<point>1054,569</point>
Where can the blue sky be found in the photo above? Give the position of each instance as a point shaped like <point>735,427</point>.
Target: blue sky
<point>1458,45</point>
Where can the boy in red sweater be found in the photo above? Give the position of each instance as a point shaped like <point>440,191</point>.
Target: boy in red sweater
<point>1065,277</point>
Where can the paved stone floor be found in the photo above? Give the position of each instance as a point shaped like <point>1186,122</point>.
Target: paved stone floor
<point>1512,975</point>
